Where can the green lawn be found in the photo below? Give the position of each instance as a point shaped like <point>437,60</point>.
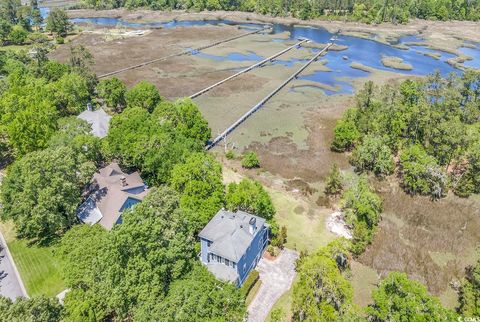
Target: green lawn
<point>38,267</point>
<point>305,221</point>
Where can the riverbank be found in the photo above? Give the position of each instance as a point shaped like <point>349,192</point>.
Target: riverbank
<point>447,35</point>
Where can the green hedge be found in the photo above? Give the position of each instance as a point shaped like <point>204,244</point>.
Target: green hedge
<point>250,281</point>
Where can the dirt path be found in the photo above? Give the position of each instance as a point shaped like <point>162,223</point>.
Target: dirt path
<point>277,277</point>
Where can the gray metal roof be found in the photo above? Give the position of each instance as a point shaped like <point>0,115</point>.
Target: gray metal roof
<point>230,233</point>
<point>99,120</point>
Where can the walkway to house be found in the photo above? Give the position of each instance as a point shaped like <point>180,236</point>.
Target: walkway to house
<point>277,277</point>
<point>10,284</point>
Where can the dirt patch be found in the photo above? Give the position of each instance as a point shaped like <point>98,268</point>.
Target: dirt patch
<point>422,235</point>
<point>298,185</point>
<point>299,210</point>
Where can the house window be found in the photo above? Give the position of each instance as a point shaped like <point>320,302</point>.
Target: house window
<point>227,262</point>
<point>209,243</point>
<point>234,265</point>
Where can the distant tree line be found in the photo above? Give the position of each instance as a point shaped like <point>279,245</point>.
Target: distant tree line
<point>24,24</point>
<point>18,23</point>
<point>369,11</point>
<point>426,131</point>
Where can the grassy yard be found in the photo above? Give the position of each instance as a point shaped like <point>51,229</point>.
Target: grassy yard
<point>38,267</point>
<point>305,221</point>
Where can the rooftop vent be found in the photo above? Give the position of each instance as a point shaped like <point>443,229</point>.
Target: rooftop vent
<point>252,227</point>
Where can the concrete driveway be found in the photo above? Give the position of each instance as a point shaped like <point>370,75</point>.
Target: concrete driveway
<point>277,277</point>
<point>10,284</point>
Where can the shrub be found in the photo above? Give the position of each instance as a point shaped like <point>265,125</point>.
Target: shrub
<point>346,133</point>
<point>18,35</point>
<point>250,160</point>
<point>271,250</point>
<point>277,315</point>
<point>249,282</point>
<point>60,40</point>
<point>230,155</point>
<point>280,240</point>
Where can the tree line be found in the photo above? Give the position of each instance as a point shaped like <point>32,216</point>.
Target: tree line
<point>18,23</point>
<point>24,24</point>
<point>368,11</point>
<point>323,292</point>
<point>424,131</point>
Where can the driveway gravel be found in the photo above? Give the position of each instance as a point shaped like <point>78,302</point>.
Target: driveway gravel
<point>277,277</point>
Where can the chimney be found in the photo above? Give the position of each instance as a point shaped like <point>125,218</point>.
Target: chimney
<point>252,227</point>
<point>124,181</point>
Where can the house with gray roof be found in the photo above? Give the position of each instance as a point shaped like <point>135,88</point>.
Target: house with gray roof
<point>113,191</point>
<point>232,243</point>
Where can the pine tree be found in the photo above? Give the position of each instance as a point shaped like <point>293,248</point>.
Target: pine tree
<point>334,182</point>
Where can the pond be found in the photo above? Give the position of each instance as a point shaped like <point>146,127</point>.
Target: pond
<point>367,52</point>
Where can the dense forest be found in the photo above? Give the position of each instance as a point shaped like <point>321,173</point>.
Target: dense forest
<point>425,131</point>
<point>369,11</point>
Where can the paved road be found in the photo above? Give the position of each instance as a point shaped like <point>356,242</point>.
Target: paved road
<point>10,286</point>
<point>277,277</point>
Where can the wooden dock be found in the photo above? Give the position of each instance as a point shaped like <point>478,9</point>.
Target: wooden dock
<point>246,70</point>
<point>182,53</point>
<point>255,108</point>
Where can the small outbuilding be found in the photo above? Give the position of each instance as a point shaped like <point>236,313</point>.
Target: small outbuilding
<point>232,244</point>
<point>98,119</point>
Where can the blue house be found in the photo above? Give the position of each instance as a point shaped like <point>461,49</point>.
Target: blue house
<point>232,243</point>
